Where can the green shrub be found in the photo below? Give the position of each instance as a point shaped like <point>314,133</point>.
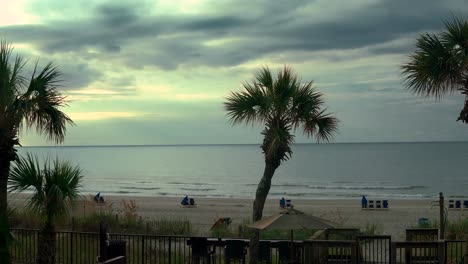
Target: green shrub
<point>372,229</point>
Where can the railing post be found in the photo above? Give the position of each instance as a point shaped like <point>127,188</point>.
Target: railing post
<point>393,252</point>
<point>143,249</point>
<point>465,252</point>
<point>354,252</point>
<point>103,241</point>
<point>441,249</point>
<point>71,246</point>
<point>170,251</point>
<point>442,216</point>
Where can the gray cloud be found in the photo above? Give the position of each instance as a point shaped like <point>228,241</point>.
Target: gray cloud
<point>262,28</point>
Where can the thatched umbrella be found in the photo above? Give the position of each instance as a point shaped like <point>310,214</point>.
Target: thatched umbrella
<point>291,219</point>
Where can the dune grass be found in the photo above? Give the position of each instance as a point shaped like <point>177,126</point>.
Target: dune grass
<point>126,220</point>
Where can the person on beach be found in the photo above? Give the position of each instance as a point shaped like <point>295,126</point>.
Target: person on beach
<point>98,198</point>
<point>185,201</point>
<point>364,202</point>
<point>282,202</point>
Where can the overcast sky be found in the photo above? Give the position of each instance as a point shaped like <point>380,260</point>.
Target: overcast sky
<point>157,72</point>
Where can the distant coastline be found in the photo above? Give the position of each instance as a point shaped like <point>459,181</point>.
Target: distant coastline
<point>240,144</point>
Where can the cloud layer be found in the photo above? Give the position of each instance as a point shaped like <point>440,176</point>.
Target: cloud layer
<point>122,54</point>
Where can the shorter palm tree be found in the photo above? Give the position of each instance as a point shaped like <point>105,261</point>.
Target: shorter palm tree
<point>55,186</point>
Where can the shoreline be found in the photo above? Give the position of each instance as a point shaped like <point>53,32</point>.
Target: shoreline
<point>346,213</point>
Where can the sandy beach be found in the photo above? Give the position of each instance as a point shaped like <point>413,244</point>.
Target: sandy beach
<point>347,213</point>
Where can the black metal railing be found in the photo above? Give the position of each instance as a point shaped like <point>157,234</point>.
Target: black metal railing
<point>83,248</point>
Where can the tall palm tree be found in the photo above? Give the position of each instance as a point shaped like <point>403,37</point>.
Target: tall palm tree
<point>55,186</point>
<point>439,65</point>
<point>25,102</point>
<point>282,104</point>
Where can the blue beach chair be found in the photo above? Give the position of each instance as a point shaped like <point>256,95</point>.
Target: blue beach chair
<point>451,204</point>
<point>378,204</point>
<point>385,204</point>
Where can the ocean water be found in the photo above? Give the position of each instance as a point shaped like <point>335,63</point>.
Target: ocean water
<point>316,171</point>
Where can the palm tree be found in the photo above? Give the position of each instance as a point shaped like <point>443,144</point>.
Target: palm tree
<point>24,103</point>
<point>55,187</point>
<point>282,104</point>
<point>439,65</point>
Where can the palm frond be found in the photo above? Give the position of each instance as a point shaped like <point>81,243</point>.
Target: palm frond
<point>439,64</point>
<point>67,177</point>
<point>41,104</point>
<point>11,79</point>
<point>56,184</point>
<point>306,103</point>
<point>456,35</point>
<point>286,85</point>
<point>25,173</point>
<point>264,79</point>
<point>248,106</point>
<point>431,68</point>
<point>62,186</point>
<point>323,126</point>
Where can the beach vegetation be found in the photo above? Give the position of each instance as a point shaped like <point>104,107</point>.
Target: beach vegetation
<point>457,229</point>
<point>282,104</point>
<point>372,229</point>
<point>223,230</point>
<point>439,65</point>
<point>115,219</point>
<point>55,186</point>
<point>25,102</point>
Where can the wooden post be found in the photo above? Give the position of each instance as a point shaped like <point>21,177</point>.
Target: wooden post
<point>292,246</point>
<point>72,246</point>
<point>441,251</point>
<point>354,252</point>
<point>442,216</point>
<point>465,258</point>
<point>102,242</point>
<point>393,253</point>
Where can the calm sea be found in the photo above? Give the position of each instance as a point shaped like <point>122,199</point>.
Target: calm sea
<point>380,170</point>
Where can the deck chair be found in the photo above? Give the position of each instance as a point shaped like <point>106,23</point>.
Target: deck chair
<point>451,204</point>
<point>378,204</point>
<point>385,204</point>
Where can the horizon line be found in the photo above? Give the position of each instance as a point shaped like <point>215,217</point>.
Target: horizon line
<point>234,144</point>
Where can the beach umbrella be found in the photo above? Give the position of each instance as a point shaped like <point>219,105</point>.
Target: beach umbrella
<point>291,219</point>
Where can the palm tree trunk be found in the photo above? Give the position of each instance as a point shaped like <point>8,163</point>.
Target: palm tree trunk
<point>46,245</point>
<point>4,228</point>
<point>263,189</point>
